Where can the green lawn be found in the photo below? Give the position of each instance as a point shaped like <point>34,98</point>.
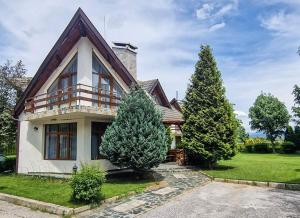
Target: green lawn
<point>260,167</point>
<point>58,191</point>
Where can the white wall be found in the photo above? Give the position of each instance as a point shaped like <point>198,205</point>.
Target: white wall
<point>31,142</point>
<point>32,145</point>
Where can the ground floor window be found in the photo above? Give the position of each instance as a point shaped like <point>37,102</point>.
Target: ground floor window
<point>98,130</point>
<point>61,141</point>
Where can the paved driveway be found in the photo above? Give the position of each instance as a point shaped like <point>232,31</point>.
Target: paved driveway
<point>218,200</point>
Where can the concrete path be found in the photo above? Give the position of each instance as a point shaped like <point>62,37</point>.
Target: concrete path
<point>218,200</point>
<point>8,210</point>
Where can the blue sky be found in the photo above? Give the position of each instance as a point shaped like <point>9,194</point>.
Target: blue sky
<point>254,41</point>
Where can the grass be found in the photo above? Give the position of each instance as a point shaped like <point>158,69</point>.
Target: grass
<point>260,167</point>
<point>58,191</point>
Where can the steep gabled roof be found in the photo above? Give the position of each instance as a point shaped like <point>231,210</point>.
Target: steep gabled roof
<point>153,86</point>
<point>170,115</point>
<point>148,85</point>
<point>176,104</point>
<point>79,26</point>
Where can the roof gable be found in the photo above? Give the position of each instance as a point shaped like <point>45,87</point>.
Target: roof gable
<point>79,26</point>
<point>175,103</point>
<point>154,88</point>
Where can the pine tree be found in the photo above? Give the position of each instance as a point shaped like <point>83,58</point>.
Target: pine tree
<point>137,137</point>
<point>209,132</point>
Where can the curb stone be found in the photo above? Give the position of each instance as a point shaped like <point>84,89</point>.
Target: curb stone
<point>54,208</point>
<point>43,206</point>
<point>276,185</point>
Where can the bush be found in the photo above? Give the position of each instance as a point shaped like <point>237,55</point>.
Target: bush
<point>248,148</point>
<point>263,147</point>
<point>8,163</point>
<point>86,184</point>
<point>288,147</point>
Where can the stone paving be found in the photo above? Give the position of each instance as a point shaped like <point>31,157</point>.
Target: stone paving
<point>178,182</point>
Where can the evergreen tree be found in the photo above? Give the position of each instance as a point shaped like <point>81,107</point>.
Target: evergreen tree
<point>209,132</point>
<point>242,135</point>
<point>137,137</point>
<point>169,136</point>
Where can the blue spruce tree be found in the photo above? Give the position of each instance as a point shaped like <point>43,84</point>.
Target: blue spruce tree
<point>137,137</point>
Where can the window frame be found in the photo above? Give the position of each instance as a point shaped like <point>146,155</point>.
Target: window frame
<point>110,96</point>
<point>59,133</point>
<point>98,125</point>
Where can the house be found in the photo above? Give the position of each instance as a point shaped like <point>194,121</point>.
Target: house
<point>74,96</point>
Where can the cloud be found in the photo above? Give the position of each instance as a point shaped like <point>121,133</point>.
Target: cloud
<point>254,45</point>
<point>282,23</point>
<point>216,10</point>
<point>240,113</point>
<point>205,11</point>
<point>216,26</point>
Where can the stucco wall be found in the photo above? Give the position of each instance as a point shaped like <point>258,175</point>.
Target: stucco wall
<point>32,145</point>
<point>31,141</point>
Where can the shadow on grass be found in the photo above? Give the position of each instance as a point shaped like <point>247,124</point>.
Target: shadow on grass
<point>3,187</point>
<point>134,177</point>
<point>288,155</point>
<point>223,167</point>
<point>297,170</point>
<point>294,181</point>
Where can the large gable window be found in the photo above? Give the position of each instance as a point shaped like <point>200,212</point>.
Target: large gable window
<point>63,89</point>
<point>108,91</point>
<point>60,141</point>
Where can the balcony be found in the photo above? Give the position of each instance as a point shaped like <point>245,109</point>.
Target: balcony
<point>75,100</point>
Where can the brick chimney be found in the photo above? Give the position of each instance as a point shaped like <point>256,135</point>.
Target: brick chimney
<point>127,54</point>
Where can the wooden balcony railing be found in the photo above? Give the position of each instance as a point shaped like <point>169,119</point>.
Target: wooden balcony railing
<point>77,95</point>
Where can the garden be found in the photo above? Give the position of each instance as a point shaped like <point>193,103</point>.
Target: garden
<point>59,191</point>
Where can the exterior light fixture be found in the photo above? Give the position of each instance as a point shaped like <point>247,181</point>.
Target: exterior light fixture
<point>75,168</point>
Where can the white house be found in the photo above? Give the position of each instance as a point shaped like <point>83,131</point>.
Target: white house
<point>72,98</point>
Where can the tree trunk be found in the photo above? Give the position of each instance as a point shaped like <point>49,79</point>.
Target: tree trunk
<point>211,165</point>
<point>273,146</point>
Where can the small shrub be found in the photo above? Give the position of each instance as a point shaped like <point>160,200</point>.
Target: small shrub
<point>7,163</point>
<point>10,162</point>
<point>263,147</point>
<point>86,184</point>
<point>248,148</point>
<point>288,147</point>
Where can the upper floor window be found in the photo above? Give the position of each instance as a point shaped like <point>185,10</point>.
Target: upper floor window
<point>108,90</point>
<point>64,87</point>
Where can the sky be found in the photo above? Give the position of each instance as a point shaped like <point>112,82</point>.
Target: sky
<point>254,42</point>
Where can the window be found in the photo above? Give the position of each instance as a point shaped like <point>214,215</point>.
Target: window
<point>105,86</point>
<point>98,130</point>
<point>61,141</point>
<point>64,87</point>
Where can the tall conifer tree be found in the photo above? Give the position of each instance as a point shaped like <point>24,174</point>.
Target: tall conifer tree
<point>137,137</point>
<point>209,131</point>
